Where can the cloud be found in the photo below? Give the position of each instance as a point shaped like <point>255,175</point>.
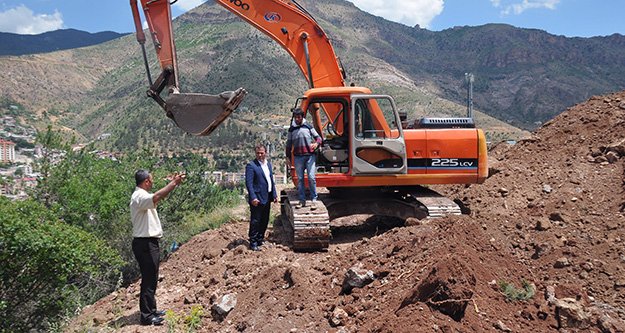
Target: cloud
<point>186,5</point>
<point>515,7</point>
<point>22,20</point>
<point>410,13</point>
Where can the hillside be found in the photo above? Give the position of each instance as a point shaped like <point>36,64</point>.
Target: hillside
<point>111,98</point>
<point>62,39</point>
<point>552,214</point>
<point>523,77</point>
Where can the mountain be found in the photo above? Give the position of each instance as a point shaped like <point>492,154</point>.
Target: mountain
<point>62,39</point>
<point>522,76</point>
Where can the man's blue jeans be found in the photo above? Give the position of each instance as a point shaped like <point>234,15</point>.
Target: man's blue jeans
<point>306,162</point>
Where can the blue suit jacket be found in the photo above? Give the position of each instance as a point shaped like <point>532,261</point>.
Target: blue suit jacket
<point>256,182</point>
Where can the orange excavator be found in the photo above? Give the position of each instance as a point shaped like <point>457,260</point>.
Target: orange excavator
<point>371,161</point>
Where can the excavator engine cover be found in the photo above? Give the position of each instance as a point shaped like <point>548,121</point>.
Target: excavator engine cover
<point>200,114</point>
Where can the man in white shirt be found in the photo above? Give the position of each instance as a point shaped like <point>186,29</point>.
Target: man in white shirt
<point>146,232</point>
<point>261,190</point>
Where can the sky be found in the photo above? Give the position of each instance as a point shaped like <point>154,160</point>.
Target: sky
<point>571,18</point>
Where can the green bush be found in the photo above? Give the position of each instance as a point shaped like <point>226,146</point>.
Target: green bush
<point>512,294</point>
<point>48,268</point>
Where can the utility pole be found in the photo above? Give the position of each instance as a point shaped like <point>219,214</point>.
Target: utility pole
<point>468,77</point>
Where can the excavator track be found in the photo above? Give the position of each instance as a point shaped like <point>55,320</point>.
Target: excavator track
<point>308,228</point>
<point>435,204</point>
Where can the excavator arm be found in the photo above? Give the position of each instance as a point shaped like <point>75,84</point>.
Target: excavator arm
<point>285,21</point>
<point>198,114</point>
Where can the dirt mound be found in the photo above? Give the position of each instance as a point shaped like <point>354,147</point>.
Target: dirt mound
<point>548,224</point>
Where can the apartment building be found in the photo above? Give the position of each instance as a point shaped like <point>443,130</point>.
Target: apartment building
<point>7,151</point>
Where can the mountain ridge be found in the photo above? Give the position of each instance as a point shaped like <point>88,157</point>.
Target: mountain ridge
<point>57,40</point>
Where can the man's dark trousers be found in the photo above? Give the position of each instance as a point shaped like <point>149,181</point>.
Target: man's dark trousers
<point>259,220</point>
<point>147,253</point>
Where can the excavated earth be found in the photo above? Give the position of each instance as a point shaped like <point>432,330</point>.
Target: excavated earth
<point>549,222</point>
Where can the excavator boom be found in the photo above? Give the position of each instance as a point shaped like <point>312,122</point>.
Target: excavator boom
<point>291,26</point>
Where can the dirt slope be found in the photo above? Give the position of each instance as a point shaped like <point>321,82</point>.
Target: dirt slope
<point>551,214</point>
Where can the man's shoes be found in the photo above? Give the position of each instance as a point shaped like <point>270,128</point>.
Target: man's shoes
<point>155,321</point>
<point>160,313</point>
<point>313,205</point>
<point>301,204</point>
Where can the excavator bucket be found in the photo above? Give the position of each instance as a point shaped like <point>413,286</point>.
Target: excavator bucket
<point>200,114</point>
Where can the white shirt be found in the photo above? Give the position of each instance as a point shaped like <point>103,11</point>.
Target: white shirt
<point>265,166</point>
<point>145,221</point>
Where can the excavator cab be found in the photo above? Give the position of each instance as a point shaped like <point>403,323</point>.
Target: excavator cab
<point>197,114</point>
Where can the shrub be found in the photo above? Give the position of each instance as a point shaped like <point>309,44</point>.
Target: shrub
<point>512,294</point>
<point>48,268</point>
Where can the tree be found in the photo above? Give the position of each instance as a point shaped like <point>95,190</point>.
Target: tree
<point>50,140</point>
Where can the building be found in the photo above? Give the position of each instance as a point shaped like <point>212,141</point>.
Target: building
<point>7,151</point>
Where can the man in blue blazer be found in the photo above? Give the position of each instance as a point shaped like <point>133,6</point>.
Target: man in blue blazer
<point>261,190</point>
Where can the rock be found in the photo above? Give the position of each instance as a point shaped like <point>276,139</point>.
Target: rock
<point>338,317</point>
<point>618,147</point>
<point>612,157</point>
<point>223,306</point>
<point>503,191</point>
<point>543,224</point>
<point>587,266</point>
<point>550,294</point>
<point>547,188</point>
<point>571,314</point>
<point>540,250</point>
<point>211,253</point>
<point>556,216</point>
<point>600,159</point>
<point>99,319</point>
<point>562,262</point>
<point>356,277</point>
<point>608,324</point>
<point>620,283</point>
<point>412,221</point>
<point>594,152</point>
<point>501,326</point>
<point>240,249</point>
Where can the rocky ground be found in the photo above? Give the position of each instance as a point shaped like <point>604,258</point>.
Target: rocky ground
<point>548,224</point>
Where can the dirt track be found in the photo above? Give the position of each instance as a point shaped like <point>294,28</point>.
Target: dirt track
<point>551,214</point>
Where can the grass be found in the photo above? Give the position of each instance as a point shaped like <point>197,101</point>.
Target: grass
<point>196,223</point>
<point>513,294</point>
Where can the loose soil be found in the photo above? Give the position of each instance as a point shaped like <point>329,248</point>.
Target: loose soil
<point>550,217</point>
